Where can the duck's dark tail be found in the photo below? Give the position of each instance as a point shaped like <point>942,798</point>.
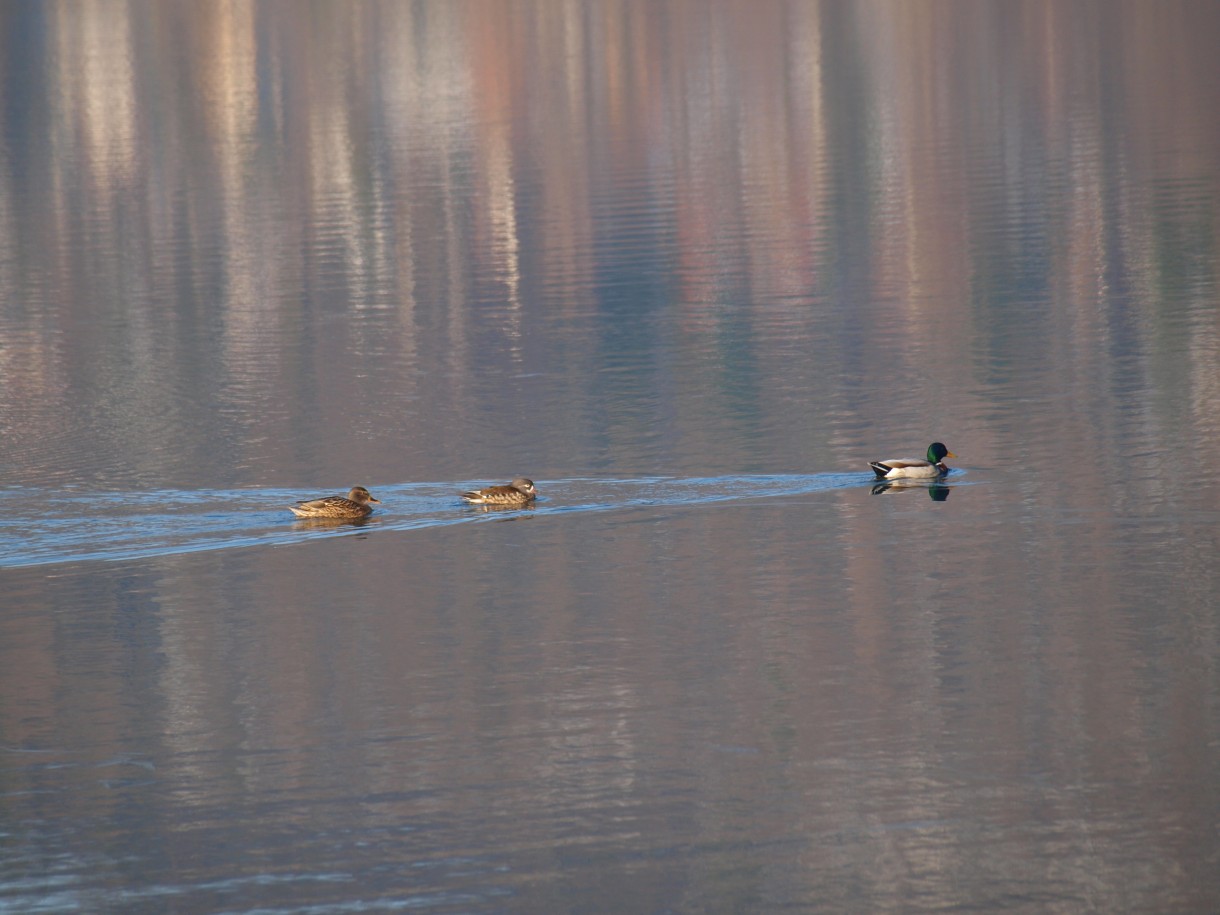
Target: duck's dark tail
<point>878,468</point>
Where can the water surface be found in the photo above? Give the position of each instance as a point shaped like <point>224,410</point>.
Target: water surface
<point>689,267</point>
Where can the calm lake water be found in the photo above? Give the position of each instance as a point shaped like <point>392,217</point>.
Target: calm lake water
<point>690,266</point>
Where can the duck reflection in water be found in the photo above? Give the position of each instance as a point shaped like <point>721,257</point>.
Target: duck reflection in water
<point>937,492</point>
<point>332,523</point>
<point>510,512</point>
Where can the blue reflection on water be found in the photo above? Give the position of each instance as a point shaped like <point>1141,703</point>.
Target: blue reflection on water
<point>137,525</point>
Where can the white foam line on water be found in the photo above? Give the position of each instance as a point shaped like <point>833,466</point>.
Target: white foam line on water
<point>113,526</point>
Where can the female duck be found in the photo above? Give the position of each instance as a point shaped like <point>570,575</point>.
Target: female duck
<point>354,505</point>
<point>901,468</point>
<point>519,492</point>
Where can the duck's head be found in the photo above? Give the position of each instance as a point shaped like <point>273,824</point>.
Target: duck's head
<point>521,484</point>
<point>937,452</point>
<point>362,495</point>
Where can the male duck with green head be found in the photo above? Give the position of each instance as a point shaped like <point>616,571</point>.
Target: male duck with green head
<point>906,468</point>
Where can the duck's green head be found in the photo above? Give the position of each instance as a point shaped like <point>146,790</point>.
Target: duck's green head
<point>938,452</point>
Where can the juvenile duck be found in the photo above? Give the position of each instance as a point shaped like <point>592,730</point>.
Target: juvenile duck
<point>934,466</point>
<point>519,492</point>
<point>354,505</point>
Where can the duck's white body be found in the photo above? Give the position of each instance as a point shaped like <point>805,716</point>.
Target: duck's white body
<point>907,469</point>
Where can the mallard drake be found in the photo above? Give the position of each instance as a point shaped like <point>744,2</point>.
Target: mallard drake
<point>519,492</point>
<point>354,505</point>
<point>934,466</point>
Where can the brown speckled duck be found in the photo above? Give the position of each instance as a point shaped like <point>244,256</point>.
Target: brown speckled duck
<point>354,505</point>
<point>519,492</point>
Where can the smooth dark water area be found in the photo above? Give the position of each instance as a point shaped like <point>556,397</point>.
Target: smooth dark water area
<point>690,267</point>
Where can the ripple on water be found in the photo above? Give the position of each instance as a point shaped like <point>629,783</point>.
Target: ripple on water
<point>136,525</point>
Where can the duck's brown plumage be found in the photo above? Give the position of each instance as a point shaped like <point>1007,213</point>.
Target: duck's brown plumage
<point>354,505</point>
<point>519,492</point>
